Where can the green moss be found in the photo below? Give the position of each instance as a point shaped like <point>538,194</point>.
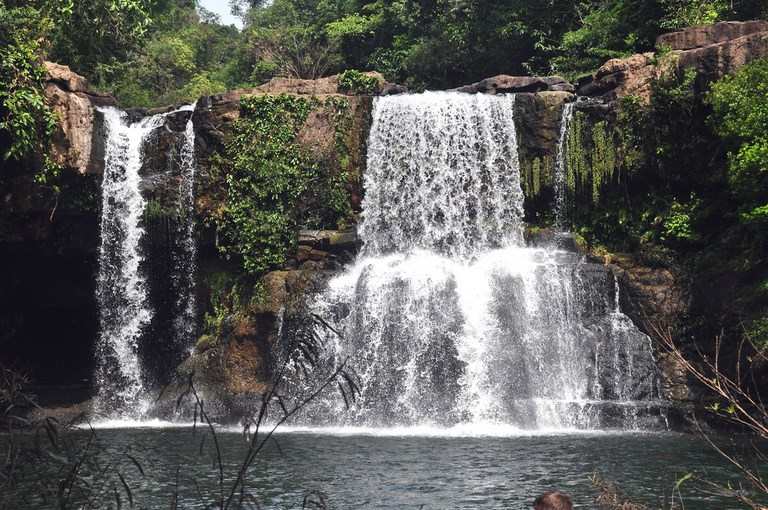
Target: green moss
<point>205,343</point>
<point>154,210</point>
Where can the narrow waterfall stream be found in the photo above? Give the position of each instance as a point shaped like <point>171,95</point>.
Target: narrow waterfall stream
<point>185,257</point>
<point>123,289</point>
<point>448,318</point>
<point>561,171</point>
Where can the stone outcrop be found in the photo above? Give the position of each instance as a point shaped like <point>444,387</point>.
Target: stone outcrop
<point>505,84</point>
<point>713,51</point>
<point>215,114</point>
<point>707,35</point>
<point>322,86</point>
<point>655,297</point>
<point>234,369</point>
<point>537,119</point>
<point>71,98</point>
<point>235,363</point>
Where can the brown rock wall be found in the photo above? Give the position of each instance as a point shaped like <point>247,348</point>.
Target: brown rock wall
<point>713,51</point>
<point>76,144</point>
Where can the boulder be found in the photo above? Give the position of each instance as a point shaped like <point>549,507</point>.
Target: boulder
<point>621,77</point>
<point>654,297</point>
<point>698,37</point>
<point>713,51</point>
<point>537,117</point>
<point>74,144</point>
<point>503,83</point>
<point>235,368</point>
<point>322,86</point>
<point>329,240</point>
<point>65,78</point>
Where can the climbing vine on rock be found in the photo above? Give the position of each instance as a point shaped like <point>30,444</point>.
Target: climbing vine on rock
<point>537,174</point>
<point>269,175</point>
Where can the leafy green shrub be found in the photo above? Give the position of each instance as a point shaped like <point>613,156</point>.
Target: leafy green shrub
<point>678,223</point>
<point>263,71</point>
<point>202,84</point>
<point>355,82</point>
<point>757,332</point>
<point>688,13</point>
<point>740,104</point>
<point>26,121</point>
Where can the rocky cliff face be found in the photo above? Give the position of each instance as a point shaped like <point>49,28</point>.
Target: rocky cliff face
<point>48,244</point>
<point>712,51</point>
<point>76,144</point>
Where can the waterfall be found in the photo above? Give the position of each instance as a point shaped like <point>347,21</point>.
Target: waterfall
<point>121,285</point>
<point>447,317</point>
<point>123,290</point>
<point>185,257</point>
<point>561,184</point>
<point>451,183</point>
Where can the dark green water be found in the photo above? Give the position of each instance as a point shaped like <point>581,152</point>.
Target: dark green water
<point>430,472</point>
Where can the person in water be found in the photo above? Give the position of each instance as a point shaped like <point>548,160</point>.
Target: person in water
<point>553,500</point>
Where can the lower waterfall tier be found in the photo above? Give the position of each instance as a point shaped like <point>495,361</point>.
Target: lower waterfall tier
<point>528,337</point>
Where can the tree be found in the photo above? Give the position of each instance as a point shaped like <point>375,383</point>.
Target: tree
<point>740,103</point>
<point>26,120</point>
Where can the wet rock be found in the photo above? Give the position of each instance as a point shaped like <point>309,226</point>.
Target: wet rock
<point>236,367</point>
<point>503,83</point>
<point>330,240</point>
<point>537,117</point>
<point>391,89</point>
<point>653,297</point>
<point>674,379</point>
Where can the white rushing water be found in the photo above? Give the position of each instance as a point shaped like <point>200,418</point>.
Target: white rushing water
<point>185,257</point>
<point>448,318</point>
<point>561,170</point>
<point>122,287</point>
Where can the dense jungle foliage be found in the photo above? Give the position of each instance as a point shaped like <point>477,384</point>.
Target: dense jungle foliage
<point>153,52</point>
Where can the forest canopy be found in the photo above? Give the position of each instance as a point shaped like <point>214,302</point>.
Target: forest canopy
<point>152,52</point>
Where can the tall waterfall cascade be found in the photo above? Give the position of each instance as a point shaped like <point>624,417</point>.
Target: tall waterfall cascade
<point>125,310</point>
<point>186,256</point>
<point>448,318</point>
